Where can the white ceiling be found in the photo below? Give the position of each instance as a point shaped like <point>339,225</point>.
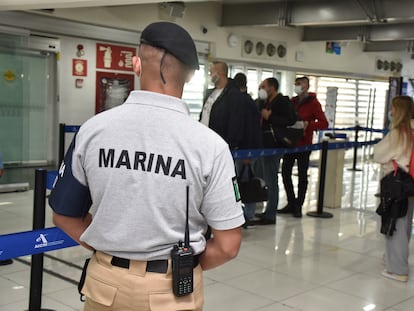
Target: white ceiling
<point>384,25</point>
<point>55,4</point>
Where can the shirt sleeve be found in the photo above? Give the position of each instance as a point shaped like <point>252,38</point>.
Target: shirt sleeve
<point>69,196</point>
<point>319,122</point>
<point>221,204</point>
<point>384,150</point>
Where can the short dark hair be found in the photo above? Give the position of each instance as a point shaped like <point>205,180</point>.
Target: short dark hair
<point>273,82</point>
<point>306,79</point>
<point>240,80</point>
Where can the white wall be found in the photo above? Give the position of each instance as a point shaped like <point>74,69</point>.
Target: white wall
<point>77,105</point>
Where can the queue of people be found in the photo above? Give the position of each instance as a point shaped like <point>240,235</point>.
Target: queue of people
<point>304,112</point>
<point>232,116</point>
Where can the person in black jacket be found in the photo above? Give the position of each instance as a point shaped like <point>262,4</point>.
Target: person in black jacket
<point>251,139</point>
<point>252,132</point>
<point>222,111</point>
<point>277,112</point>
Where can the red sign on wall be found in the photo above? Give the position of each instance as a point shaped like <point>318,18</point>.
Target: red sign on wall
<point>79,67</point>
<point>114,57</point>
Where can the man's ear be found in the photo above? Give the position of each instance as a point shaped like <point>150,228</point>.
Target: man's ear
<point>136,65</point>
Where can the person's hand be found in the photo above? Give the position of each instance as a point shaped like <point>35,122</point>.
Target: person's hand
<point>305,125</point>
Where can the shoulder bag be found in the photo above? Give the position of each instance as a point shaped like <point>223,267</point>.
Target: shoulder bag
<point>286,137</point>
<point>254,189</point>
<point>396,187</point>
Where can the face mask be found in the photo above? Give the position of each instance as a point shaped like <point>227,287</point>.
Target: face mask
<point>262,94</point>
<point>298,89</point>
<point>214,79</point>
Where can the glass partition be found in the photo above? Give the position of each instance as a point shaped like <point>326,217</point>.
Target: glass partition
<point>26,110</point>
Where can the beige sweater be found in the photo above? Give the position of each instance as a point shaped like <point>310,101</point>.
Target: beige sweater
<point>388,149</point>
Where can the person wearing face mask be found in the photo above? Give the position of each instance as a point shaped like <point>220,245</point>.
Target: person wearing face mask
<point>310,112</point>
<point>277,112</point>
<point>221,110</point>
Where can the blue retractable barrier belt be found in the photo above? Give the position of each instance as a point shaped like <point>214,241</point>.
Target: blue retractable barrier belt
<point>33,242</point>
<point>71,128</point>
<point>256,153</point>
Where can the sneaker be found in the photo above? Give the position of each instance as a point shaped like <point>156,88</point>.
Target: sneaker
<point>249,224</point>
<point>393,276</point>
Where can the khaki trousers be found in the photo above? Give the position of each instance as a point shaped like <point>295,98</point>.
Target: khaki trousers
<point>111,288</point>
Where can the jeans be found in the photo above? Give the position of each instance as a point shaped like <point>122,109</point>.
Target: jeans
<point>270,169</point>
<point>397,246</point>
<point>249,208</point>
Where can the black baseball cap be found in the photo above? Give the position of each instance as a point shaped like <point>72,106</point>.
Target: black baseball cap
<point>174,39</point>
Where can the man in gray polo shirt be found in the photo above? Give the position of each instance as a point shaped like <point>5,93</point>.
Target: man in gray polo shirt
<point>121,190</point>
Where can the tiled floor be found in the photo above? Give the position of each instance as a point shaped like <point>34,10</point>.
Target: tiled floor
<point>298,264</point>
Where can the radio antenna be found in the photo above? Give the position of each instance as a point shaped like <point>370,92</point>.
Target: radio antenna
<point>187,229</point>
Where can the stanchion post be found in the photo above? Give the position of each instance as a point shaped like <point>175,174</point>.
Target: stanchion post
<point>322,176</point>
<point>36,269</point>
<point>61,142</point>
<point>357,128</point>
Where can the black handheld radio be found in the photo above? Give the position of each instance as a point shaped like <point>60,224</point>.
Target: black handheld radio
<point>182,258</point>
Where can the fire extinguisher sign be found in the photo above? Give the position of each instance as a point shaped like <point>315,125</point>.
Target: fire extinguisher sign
<point>114,57</point>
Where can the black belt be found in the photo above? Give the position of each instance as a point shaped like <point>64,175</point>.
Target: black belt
<point>157,266</point>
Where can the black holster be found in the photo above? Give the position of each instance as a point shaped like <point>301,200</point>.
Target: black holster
<point>82,280</point>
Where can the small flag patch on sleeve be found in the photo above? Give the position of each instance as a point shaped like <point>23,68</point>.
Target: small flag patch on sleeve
<point>236,189</point>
